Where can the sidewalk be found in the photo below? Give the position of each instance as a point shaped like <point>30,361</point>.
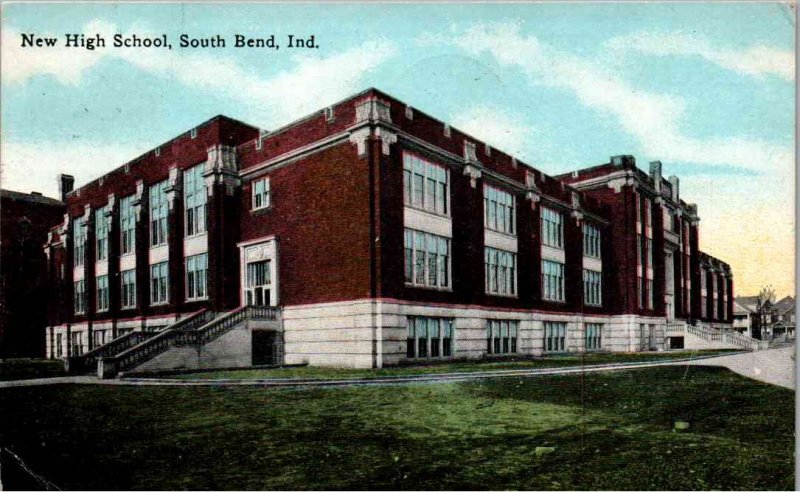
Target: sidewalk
<point>422,378</point>
<point>774,366</point>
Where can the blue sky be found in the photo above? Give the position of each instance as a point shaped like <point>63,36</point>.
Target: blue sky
<point>708,89</point>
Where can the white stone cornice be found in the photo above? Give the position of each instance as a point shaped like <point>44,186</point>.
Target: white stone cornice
<point>138,200</point>
<point>373,109</point>
<point>360,137</point>
<point>474,172</point>
<point>174,188</point>
<point>387,138</point>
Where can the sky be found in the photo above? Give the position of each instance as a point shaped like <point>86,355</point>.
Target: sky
<point>706,88</point>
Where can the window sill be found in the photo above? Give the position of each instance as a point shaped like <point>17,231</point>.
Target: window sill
<point>507,296</point>
<point>509,235</point>
<point>162,303</point>
<point>159,245</point>
<point>594,305</point>
<point>554,301</point>
<point>197,299</point>
<point>127,308</point>
<point>196,234</point>
<point>429,212</point>
<point>428,287</point>
<point>260,210</point>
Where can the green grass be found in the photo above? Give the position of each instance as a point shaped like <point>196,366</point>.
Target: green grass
<point>30,368</point>
<point>610,431</point>
<point>572,360</point>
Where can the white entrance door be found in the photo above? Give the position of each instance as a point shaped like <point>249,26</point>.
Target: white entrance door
<point>258,274</point>
<point>669,290</point>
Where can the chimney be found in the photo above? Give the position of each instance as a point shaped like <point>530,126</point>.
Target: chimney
<point>65,184</point>
<point>655,174</point>
<point>676,187</point>
<point>625,161</point>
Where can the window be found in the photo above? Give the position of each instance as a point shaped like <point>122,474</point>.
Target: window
<point>77,343</point>
<point>80,241</point>
<point>501,337</point>
<point>649,293</point>
<point>128,289</point>
<point>127,224</point>
<point>552,228</point>
<point>258,283</point>
<point>59,345</point>
<point>499,210</point>
<point>427,259</point>
<point>429,337</point>
<point>592,287</point>
<point>101,233</point>
<point>555,337</point>
<point>260,193</point>
<point>80,297</point>
<point>552,280</point>
<point>196,277</point>
<point>649,250</point>
<point>594,336</point>
<point>99,337</point>
<point>501,272</point>
<point>591,240</point>
<point>158,213</point>
<point>194,200</point>
<point>102,293</point>
<point>159,283</point>
<point>648,213</point>
<point>425,184</point>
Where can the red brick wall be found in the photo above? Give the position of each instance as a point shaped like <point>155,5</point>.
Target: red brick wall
<point>320,212</point>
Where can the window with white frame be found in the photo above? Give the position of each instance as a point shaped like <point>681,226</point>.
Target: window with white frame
<point>159,283</point>
<point>127,224</point>
<point>258,282</point>
<point>77,343</point>
<point>79,230</point>
<point>196,277</point>
<point>427,259</point>
<point>591,240</point>
<point>555,337</point>
<point>552,228</point>
<point>594,336</point>
<point>499,210</point>
<point>260,192</point>
<point>101,233</point>
<point>552,281</point>
<point>59,345</point>
<point>592,287</point>
<point>429,338</point>
<point>501,336</point>
<point>159,209</point>
<point>194,200</point>
<point>500,272</point>
<point>128,289</point>
<point>425,184</point>
<point>102,293</point>
<point>79,297</point>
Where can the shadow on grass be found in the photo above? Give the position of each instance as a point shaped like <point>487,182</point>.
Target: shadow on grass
<point>609,431</point>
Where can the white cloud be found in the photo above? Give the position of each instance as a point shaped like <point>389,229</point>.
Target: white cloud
<point>496,127</point>
<point>273,98</point>
<point>758,60</point>
<point>35,166</point>
<point>654,119</point>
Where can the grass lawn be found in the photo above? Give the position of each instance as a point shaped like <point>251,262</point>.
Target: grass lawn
<point>609,430</point>
<point>571,360</point>
<point>30,368</point>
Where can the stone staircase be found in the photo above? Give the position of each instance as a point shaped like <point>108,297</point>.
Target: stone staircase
<point>713,338</point>
<point>133,349</point>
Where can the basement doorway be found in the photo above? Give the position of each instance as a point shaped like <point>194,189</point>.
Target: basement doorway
<point>267,349</point>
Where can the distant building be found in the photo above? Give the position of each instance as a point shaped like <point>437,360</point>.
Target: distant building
<point>782,320</point>
<point>773,321</point>
<point>745,309</point>
<point>374,234</point>
<point>25,219</point>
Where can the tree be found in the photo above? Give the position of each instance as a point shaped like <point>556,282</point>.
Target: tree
<point>763,314</point>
